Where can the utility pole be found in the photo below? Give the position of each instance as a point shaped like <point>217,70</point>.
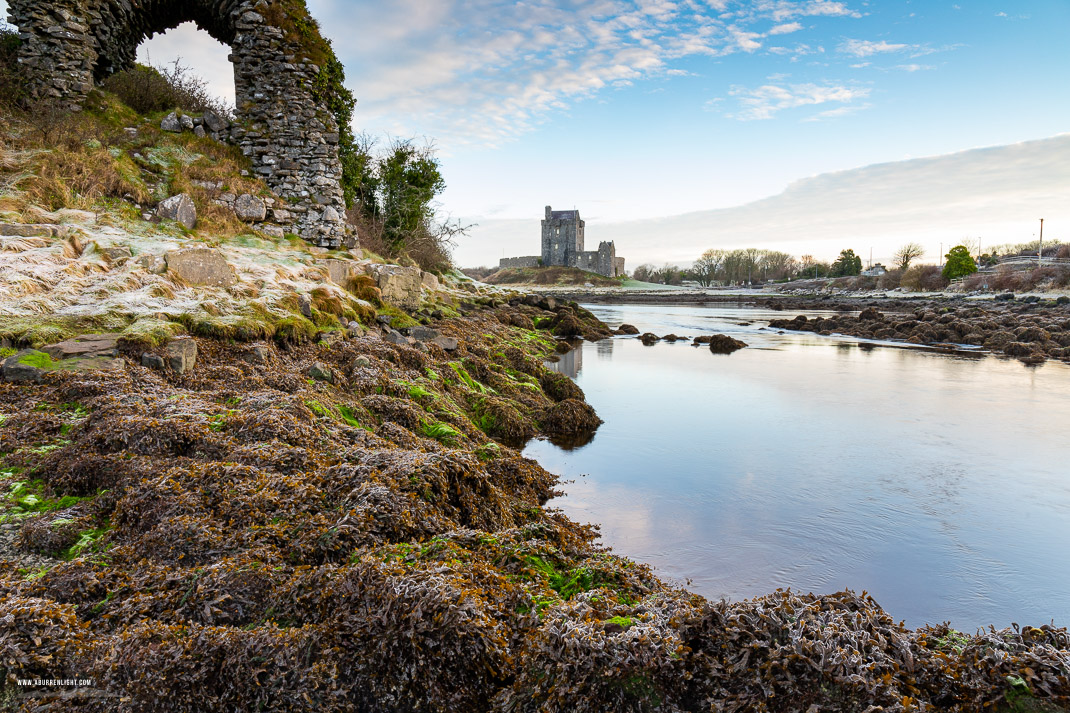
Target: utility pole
<point>1040,245</point>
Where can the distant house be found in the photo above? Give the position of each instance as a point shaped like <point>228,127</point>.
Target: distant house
<point>875,271</point>
<point>562,245</point>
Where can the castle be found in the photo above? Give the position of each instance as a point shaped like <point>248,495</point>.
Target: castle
<point>562,245</point>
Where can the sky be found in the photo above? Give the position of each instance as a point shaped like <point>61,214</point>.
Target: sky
<point>680,125</point>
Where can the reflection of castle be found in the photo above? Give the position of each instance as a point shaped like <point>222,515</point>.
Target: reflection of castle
<point>570,364</point>
<point>562,245</point>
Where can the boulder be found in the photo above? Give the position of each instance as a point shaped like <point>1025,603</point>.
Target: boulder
<point>153,361</point>
<point>32,365</point>
<point>321,372</point>
<point>870,313</point>
<point>304,303</point>
<point>399,285</point>
<point>171,123</point>
<point>355,329</point>
<point>702,340</point>
<point>250,208</point>
<point>186,122</point>
<point>627,329</point>
<point>201,266</point>
<point>199,132</point>
<point>180,209</point>
<point>648,338</point>
<point>395,337</point>
<point>87,345</point>
<point>447,343</point>
<point>723,344</point>
<point>182,355</point>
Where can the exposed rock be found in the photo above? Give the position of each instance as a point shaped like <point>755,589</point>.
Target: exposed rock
<point>723,344</point>
<point>250,208</point>
<point>361,362</point>
<point>182,355</point>
<point>201,266</point>
<point>422,334</point>
<point>338,270</point>
<point>627,329</point>
<point>429,281</point>
<point>395,337</point>
<point>87,345</point>
<point>1005,297</point>
<point>304,303</point>
<point>186,122</point>
<point>355,329</point>
<point>171,123</point>
<point>32,365</point>
<point>399,285</point>
<point>870,313</point>
<point>648,338</point>
<point>153,361</point>
<point>447,343</point>
<point>671,338</point>
<point>214,122</point>
<point>702,340</point>
<point>199,132</point>
<point>117,252</point>
<point>156,264</point>
<point>180,209</point>
<point>321,372</point>
<point>257,354</point>
<point>22,230</point>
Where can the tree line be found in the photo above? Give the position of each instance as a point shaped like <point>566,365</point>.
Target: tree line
<point>753,265</point>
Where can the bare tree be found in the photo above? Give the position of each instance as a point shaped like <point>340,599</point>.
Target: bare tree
<point>907,254</point>
<point>708,268</point>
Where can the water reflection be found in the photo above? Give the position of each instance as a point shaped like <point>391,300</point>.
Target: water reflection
<point>937,482</point>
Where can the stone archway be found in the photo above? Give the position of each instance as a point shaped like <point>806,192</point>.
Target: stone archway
<point>284,125</point>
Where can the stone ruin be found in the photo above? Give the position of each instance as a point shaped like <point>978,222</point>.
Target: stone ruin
<point>291,137</point>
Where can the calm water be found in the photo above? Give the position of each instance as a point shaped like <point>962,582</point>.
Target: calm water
<point>939,483</point>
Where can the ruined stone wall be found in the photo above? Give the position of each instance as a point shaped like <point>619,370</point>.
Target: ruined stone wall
<point>290,136</point>
<point>520,262</point>
<point>603,261</point>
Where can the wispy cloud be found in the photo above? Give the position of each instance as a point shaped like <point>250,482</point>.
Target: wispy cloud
<point>867,48</point>
<point>766,101</point>
<point>488,71</point>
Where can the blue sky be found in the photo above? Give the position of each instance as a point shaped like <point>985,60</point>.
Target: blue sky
<point>638,110</point>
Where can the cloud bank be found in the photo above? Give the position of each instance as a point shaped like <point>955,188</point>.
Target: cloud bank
<point>997,194</point>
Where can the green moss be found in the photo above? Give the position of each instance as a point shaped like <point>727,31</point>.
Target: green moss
<point>625,621</point>
<point>295,329</point>
<point>36,359</point>
<point>7,351</point>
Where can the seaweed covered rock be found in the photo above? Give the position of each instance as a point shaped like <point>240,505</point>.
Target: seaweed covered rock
<point>569,417</point>
<point>723,344</point>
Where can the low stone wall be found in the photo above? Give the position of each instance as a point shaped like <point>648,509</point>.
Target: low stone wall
<point>520,262</point>
<point>290,136</point>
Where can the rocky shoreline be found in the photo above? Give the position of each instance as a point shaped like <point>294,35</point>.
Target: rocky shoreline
<point>344,525</point>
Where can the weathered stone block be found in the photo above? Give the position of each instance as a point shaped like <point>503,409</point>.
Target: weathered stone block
<point>201,266</point>
<point>182,355</point>
<point>250,208</point>
<point>171,123</point>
